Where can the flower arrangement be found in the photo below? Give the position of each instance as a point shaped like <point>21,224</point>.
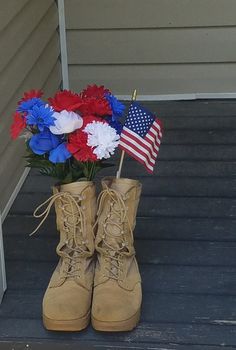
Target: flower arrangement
<point>69,136</point>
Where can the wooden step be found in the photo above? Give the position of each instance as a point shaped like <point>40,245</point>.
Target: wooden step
<point>210,280</point>
<point>148,251</point>
<point>170,168</point>
<point>153,333</point>
<point>159,228</point>
<point>151,206</point>
<point>156,307</point>
<point>163,186</point>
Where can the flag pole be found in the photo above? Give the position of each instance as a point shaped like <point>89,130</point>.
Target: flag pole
<point>134,95</point>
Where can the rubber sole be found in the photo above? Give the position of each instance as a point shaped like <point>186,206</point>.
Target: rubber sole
<point>68,325</point>
<point>116,326</point>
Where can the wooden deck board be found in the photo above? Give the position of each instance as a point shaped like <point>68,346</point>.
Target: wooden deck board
<point>185,241</point>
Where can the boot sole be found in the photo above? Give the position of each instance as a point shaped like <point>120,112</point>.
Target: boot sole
<point>68,325</point>
<point>116,326</point>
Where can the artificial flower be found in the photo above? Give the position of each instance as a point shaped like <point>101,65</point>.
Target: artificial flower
<point>18,125</point>
<point>40,116</point>
<point>31,94</point>
<point>94,91</point>
<point>91,118</point>
<point>65,100</point>
<point>77,145</point>
<point>59,154</point>
<point>116,106</point>
<point>65,122</point>
<point>102,138</point>
<point>44,142</point>
<point>98,107</point>
<point>115,124</point>
<point>27,105</point>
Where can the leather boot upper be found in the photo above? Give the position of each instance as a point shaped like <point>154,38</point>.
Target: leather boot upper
<point>117,283</point>
<point>69,292</point>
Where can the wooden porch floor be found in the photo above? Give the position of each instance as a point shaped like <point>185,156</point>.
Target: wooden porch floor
<point>185,241</point>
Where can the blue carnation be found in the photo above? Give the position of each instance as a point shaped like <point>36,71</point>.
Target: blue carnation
<point>26,106</point>
<point>41,116</point>
<point>116,106</point>
<point>44,142</point>
<point>59,154</point>
<point>116,125</point>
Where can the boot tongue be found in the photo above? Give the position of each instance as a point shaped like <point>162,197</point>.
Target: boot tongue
<point>115,224</point>
<point>120,185</point>
<point>75,188</point>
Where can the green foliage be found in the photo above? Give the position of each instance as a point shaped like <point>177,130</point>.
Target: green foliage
<point>68,172</point>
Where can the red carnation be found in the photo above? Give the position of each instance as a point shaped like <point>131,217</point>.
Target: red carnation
<point>18,125</point>
<point>94,91</point>
<point>98,107</point>
<point>31,94</point>
<point>77,145</point>
<point>91,118</point>
<point>65,100</point>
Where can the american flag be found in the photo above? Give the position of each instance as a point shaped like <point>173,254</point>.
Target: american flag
<point>141,136</point>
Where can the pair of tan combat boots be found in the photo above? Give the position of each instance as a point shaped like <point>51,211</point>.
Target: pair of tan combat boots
<point>97,275</point>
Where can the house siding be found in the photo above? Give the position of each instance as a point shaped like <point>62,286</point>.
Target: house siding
<point>157,46</point>
<point>30,59</point>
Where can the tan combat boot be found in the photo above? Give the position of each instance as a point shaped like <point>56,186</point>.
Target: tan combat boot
<point>117,291</point>
<point>67,301</point>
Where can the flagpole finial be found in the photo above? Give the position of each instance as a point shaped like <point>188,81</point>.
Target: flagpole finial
<point>134,96</point>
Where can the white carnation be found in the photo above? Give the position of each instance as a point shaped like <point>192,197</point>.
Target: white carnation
<point>66,122</point>
<point>103,138</point>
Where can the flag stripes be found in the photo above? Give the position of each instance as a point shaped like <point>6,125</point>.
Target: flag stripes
<point>141,136</point>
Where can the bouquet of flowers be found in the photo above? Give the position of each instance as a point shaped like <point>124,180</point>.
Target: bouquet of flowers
<point>69,136</point>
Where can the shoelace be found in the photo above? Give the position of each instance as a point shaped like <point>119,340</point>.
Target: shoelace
<point>114,254</point>
<point>72,247</point>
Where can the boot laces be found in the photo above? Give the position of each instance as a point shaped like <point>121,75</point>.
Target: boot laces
<point>74,220</point>
<point>114,245</point>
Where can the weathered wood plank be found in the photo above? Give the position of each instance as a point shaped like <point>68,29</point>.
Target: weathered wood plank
<point>105,345</point>
<point>172,168</point>
<point>153,333</point>
<point>152,206</point>
<point>197,152</point>
<point>148,251</point>
<point>151,14</point>
<point>156,308</point>
<point>163,186</point>
<point>196,108</point>
<point>215,280</point>
<point>204,229</point>
<point>206,137</point>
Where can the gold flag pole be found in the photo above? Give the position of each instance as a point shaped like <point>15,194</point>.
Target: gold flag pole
<point>134,95</point>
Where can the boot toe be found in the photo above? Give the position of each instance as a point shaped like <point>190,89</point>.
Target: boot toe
<point>115,304</point>
<point>67,302</point>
